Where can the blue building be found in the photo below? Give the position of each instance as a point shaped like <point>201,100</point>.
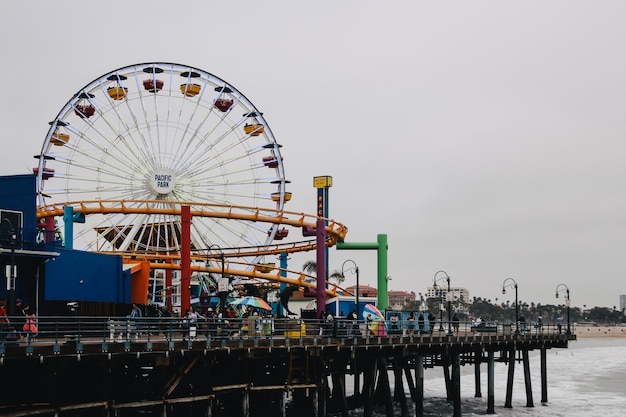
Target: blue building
<point>40,271</point>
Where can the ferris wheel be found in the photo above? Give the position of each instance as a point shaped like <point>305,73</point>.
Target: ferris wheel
<point>158,134</point>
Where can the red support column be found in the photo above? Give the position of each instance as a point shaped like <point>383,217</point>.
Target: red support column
<point>185,259</point>
<point>168,288</point>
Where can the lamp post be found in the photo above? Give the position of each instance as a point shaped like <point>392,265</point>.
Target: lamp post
<point>11,280</point>
<point>223,291</point>
<point>561,288</point>
<point>506,284</point>
<point>355,270</point>
<point>435,280</point>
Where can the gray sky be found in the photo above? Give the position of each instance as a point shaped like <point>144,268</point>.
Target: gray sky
<point>484,138</point>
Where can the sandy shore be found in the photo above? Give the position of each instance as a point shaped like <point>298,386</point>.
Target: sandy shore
<point>599,331</point>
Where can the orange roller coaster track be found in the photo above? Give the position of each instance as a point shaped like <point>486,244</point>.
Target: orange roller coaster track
<point>335,232</point>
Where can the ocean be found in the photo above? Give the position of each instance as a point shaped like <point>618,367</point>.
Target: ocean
<point>587,379</point>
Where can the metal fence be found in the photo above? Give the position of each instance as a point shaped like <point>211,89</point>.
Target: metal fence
<point>60,330</point>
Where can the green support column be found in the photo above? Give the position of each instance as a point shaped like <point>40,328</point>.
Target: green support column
<point>381,247</point>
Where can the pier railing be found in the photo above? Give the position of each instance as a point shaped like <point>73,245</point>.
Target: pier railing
<point>215,333</point>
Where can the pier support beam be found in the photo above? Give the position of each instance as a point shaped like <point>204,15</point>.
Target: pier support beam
<point>339,393</point>
<point>399,394</point>
<point>410,381</point>
<point>490,383</point>
<point>456,383</point>
<point>322,398</point>
<point>369,382</point>
<point>446,376</point>
<point>527,382</point>
<point>419,386</point>
<point>508,402</point>
<point>477,360</point>
<point>544,375</point>
<point>384,387</point>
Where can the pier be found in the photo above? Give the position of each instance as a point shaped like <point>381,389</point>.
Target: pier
<point>103,367</point>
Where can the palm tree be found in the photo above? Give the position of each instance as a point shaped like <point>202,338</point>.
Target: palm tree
<point>310,267</point>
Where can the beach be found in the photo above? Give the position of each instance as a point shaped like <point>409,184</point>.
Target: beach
<point>583,331</point>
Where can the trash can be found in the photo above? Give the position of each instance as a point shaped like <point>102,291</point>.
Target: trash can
<point>266,327</point>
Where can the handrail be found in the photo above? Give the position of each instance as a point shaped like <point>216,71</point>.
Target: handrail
<point>77,331</point>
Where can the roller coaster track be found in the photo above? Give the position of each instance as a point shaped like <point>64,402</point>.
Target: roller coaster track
<point>334,231</point>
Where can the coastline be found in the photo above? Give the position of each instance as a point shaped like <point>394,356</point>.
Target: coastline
<point>583,332</point>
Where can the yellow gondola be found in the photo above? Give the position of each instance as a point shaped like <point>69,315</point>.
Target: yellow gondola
<point>190,90</point>
<point>117,93</point>
<point>265,268</point>
<point>253,129</point>
<point>276,196</point>
<point>59,139</point>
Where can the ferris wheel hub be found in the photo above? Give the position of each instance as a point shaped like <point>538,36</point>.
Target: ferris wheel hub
<point>162,182</point>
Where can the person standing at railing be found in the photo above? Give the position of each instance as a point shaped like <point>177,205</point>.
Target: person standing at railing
<point>193,317</point>
<point>420,323</point>
<point>559,323</point>
<point>18,319</point>
<point>395,325</point>
<point>135,315</point>
<point>4,321</point>
<point>166,322</point>
<point>410,324</point>
<point>354,330</point>
<point>431,322</point>
<point>30,325</point>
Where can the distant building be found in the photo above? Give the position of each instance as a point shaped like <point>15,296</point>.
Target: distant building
<point>622,303</point>
<point>460,296</point>
<point>398,299</point>
<point>364,291</point>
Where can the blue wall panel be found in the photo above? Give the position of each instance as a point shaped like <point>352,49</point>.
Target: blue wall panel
<point>87,276</point>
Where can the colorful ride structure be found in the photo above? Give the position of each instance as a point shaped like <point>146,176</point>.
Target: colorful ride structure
<point>170,168</point>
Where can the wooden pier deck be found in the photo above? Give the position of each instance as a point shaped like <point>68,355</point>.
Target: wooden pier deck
<point>99,372</point>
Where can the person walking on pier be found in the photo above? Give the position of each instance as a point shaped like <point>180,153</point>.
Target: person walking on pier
<point>455,323</point>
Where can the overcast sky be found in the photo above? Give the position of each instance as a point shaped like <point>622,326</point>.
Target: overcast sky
<point>486,139</point>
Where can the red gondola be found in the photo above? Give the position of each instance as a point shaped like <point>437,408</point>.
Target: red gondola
<point>281,234</point>
<point>152,85</point>
<point>84,111</point>
<point>271,161</point>
<point>223,104</point>
<point>46,173</point>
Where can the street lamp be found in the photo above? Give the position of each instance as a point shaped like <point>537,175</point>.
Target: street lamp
<point>561,288</point>
<point>355,270</point>
<point>11,280</point>
<point>435,280</point>
<point>222,289</point>
<point>513,284</point>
